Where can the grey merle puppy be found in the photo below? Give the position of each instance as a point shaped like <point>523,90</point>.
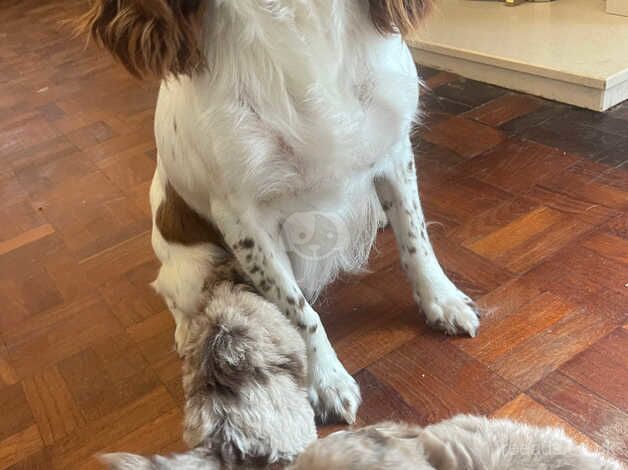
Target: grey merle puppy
<point>461,443</point>
<point>244,383</point>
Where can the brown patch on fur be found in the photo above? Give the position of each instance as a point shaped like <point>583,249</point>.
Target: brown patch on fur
<point>402,16</point>
<point>179,223</point>
<point>149,37</point>
<point>292,365</point>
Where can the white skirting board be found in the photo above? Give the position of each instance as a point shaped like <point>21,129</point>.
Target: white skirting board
<point>568,50</point>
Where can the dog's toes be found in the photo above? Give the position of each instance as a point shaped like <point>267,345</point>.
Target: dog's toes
<point>334,395</point>
<point>454,314</point>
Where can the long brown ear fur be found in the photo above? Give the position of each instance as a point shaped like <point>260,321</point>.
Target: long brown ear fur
<point>398,16</point>
<point>149,37</point>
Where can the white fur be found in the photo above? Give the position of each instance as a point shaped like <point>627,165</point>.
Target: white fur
<point>303,106</point>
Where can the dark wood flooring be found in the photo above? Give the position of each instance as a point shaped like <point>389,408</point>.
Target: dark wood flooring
<point>529,207</point>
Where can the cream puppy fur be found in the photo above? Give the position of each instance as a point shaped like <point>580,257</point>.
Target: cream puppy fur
<point>461,443</point>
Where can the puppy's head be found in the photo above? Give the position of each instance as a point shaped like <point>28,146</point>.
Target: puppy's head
<point>244,378</point>
<point>149,37</point>
<point>403,16</point>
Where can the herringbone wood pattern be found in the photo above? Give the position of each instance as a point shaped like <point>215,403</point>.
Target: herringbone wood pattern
<point>529,204</point>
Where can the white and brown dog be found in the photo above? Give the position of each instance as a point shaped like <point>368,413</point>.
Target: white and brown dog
<point>283,130</point>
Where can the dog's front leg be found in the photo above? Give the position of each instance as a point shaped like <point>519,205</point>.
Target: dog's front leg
<point>444,305</point>
<point>332,391</point>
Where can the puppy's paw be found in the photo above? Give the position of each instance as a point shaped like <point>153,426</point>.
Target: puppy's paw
<point>333,393</point>
<point>450,310</point>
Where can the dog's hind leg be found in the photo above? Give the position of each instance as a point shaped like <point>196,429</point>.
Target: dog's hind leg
<point>262,256</point>
<point>444,305</point>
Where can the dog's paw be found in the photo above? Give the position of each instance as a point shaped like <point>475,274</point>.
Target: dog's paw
<point>333,393</point>
<point>181,337</point>
<point>451,311</point>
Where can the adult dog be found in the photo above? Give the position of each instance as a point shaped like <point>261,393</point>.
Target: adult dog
<point>283,130</point>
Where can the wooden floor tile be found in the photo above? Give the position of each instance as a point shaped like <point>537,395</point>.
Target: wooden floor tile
<point>430,375</point>
<point>501,334</point>
<point>465,137</point>
<point>578,273</point>
<point>602,368</point>
<point>7,373</point>
<point>617,226</point>
<point>130,296</point>
<point>19,446</point>
<point>383,403</point>
<point>525,409</point>
<point>80,446</point>
<point>107,376</point>
<point>17,414</point>
<point>149,439</point>
<point>53,406</point>
<point>573,136</point>
<point>40,460</point>
<point>587,212</point>
<point>528,240</point>
<point>485,275</point>
<point>534,358</point>
<point>364,346</point>
<point>594,183</point>
<point>503,109</point>
<point>440,79</point>
<point>26,237</point>
<point>517,165</point>
<point>49,337</point>
<point>609,246</point>
<point>469,92</point>
<point>491,220</point>
<point>466,198</point>
<point>586,411</point>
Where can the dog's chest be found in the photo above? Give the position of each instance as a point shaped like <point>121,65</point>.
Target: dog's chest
<point>353,128</point>
<point>321,120</point>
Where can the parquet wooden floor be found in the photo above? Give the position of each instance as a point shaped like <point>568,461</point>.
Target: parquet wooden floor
<point>529,207</point>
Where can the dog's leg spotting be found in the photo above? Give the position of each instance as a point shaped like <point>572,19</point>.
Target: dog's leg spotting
<point>332,391</point>
<point>444,305</point>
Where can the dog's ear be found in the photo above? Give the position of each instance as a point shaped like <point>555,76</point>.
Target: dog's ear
<point>402,16</point>
<point>149,37</point>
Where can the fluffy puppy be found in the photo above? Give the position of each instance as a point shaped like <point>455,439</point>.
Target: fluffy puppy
<point>463,442</point>
<point>244,382</point>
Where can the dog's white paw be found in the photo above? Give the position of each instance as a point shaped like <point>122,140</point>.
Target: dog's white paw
<point>450,310</point>
<point>181,337</point>
<point>333,393</point>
